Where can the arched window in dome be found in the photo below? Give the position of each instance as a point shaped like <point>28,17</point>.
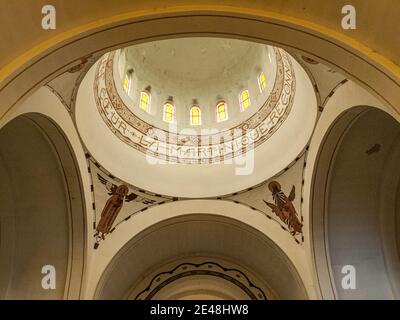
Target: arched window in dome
<point>169,112</point>
<point>262,82</point>
<point>127,83</point>
<point>244,100</point>
<point>222,111</point>
<point>195,116</point>
<point>144,103</point>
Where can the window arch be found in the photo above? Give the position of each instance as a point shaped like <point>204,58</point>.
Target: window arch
<point>262,82</point>
<point>169,112</point>
<point>195,116</point>
<point>127,83</point>
<point>144,102</point>
<point>244,100</point>
<point>222,111</point>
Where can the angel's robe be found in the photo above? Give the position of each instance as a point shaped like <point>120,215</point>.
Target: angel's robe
<point>285,210</point>
<point>289,211</point>
<point>109,214</point>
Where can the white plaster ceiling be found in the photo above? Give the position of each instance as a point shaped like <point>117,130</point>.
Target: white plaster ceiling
<point>325,79</point>
<point>183,238</point>
<point>197,71</point>
<point>193,61</point>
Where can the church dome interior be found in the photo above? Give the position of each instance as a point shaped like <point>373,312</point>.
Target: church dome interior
<point>164,112</point>
<point>233,152</point>
<point>202,72</point>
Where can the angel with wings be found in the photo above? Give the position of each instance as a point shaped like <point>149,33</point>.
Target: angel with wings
<point>113,206</point>
<point>111,187</point>
<point>284,208</point>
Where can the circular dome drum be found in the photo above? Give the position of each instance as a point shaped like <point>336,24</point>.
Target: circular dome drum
<point>166,122</point>
<point>195,71</point>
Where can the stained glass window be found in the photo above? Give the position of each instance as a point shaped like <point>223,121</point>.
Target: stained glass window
<point>127,83</point>
<point>144,101</point>
<point>262,82</point>
<point>244,100</point>
<point>222,111</point>
<point>169,112</point>
<point>195,116</point>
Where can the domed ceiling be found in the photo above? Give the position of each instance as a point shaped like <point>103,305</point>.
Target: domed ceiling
<point>205,102</point>
<point>196,71</point>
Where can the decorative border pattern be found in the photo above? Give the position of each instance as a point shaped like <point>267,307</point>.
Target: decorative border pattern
<point>234,276</point>
<point>95,168</point>
<point>194,149</point>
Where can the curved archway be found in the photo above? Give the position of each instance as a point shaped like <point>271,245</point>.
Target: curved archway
<point>57,55</point>
<point>41,223</point>
<point>50,59</point>
<point>354,206</point>
<point>182,239</point>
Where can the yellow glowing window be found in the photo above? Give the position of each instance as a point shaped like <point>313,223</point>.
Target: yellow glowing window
<point>169,112</point>
<point>244,100</point>
<point>144,101</point>
<point>262,82</point>
<point>222,111</point>
<point>195,116</point>
<point>127,83</point>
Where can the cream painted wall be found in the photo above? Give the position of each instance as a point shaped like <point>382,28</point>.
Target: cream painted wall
<point>354,222</point>
<point>103,256</point>
<point>389,215</point>
<point>46,103</point>
<point>345,97</point>
<point>377,25</point>
<point>34,217</point>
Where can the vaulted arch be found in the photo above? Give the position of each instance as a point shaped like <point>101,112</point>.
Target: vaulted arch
<point>43,213</point>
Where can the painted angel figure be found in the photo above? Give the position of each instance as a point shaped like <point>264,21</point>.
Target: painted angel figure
<point>110,211</point>
<point>111,187</point>
<point>284,208</point>
<point>119,195</point>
